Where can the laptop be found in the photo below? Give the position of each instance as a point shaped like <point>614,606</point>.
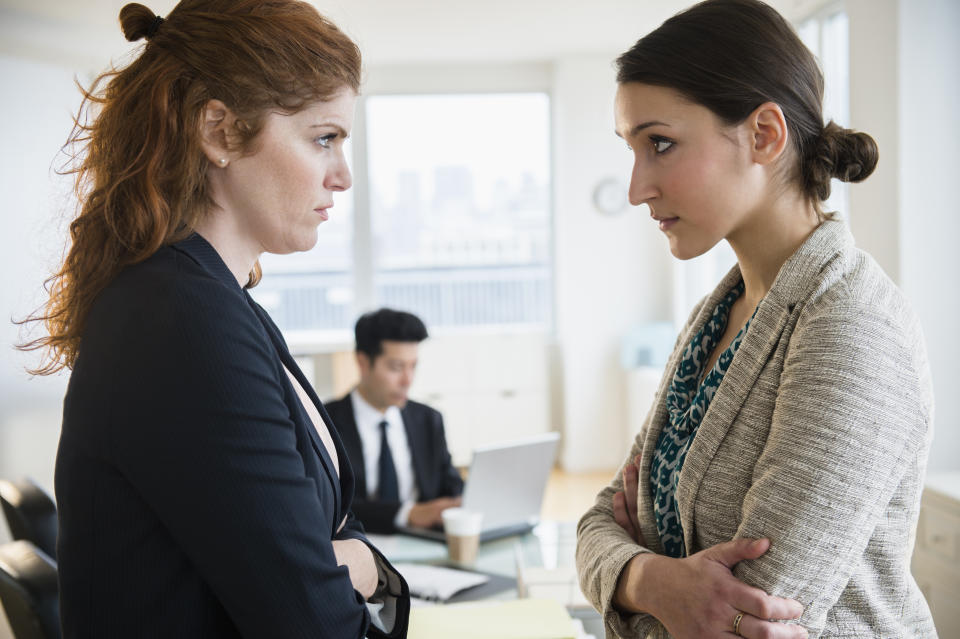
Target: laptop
<point>506,483</point>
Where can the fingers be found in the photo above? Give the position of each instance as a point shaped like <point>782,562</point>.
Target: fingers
<point>757,603</point>
<point>620,515</point>
<point>751,626</point>
<point>631,483</point>
<point>731,553</point>
<point>442,503</point>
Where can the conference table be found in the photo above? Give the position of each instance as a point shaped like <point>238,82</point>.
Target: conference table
<point>539,564</point>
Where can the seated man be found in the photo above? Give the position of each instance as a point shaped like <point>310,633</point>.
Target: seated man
<point>397,447</point>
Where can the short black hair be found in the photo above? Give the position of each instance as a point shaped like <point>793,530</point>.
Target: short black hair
<point>387,324</point>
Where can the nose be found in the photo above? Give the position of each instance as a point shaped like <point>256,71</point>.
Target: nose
<point>642,189</point>
<point>338,176</point>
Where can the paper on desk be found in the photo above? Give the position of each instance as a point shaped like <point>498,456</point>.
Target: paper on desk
<point>517,619</point>
<point>437,582</point>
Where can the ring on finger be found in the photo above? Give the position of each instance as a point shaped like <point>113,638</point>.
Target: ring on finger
<point>736,624</point>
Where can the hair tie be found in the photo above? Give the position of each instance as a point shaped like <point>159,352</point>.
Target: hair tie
<point>152,29</point>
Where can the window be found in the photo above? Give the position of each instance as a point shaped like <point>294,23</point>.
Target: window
<point>460,206</point>
<point>453,223</point>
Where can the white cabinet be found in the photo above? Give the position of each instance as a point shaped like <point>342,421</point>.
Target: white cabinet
<point>936,557</point>
<point>490,388</point>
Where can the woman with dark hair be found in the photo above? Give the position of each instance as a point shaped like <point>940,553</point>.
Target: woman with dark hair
<point>202,489</point>
<point>774,489</point>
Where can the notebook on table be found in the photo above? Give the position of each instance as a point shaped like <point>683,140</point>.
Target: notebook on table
<point>506,483</point>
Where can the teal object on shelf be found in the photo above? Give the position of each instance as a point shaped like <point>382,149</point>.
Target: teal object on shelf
<point>648,345</point>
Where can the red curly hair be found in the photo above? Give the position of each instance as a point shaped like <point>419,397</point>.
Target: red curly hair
<point>140,171</point>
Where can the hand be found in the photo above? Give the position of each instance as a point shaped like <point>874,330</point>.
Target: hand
<point>625,502</point>
<point>427,514</point>
<point>357,557</point>
<point>698,596</point>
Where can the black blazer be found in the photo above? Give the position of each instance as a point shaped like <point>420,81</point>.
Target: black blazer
<point>195,496</point>
<point>433,471</point>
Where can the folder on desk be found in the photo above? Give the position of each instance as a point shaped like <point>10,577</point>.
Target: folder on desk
<point>445,584</point>
<point>515,619</point>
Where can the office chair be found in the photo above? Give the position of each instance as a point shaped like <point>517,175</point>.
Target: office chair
<point>30,513</point>
<point>28,591</point>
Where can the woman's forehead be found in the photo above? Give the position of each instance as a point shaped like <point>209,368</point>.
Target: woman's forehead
<point>639,106</point>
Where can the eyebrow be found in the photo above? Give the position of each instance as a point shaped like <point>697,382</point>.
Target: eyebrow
<point>336,127</point>
<point>640,127</point>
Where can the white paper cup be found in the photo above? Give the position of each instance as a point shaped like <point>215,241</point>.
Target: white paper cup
<point>462,528</point>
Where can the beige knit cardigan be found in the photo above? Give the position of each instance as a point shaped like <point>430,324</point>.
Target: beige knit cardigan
<point>817,439</point>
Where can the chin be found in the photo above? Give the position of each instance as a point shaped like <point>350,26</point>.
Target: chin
<point>683,254</point>
<point>302,243</point>
<point>686,252</point>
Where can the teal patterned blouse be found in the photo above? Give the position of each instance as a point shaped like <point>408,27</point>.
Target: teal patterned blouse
<point>687,402</point>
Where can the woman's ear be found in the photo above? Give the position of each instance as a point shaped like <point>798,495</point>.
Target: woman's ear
<point>768,130</point>
<point>216,130</point>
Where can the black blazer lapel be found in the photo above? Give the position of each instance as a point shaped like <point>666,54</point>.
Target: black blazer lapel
<point>418,440</point>
<point>204,254</point>
<point>345,424</point>
<point>318,446</point>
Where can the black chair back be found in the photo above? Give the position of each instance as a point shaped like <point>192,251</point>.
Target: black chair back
<point>28,591</point>
<point>31,514</point>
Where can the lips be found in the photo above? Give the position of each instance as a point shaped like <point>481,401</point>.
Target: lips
<point>664,222</point>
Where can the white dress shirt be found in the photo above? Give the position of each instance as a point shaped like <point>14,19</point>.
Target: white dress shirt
<point>368,421</point>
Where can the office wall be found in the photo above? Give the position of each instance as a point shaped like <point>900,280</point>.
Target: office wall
<point>929,198</point>
<point>34,123</point>
<point>904,70</point>
<point>611,272</point>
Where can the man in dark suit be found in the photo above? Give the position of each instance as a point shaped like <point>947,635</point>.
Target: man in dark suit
<point>397,447</point>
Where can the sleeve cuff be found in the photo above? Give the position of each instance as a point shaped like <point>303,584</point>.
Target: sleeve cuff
<point>403,515</point>
<point>624,624</point>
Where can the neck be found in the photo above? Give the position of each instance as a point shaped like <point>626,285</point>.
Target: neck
<point>768,239</point>
<point>367,397</point>
<point>217,230</point>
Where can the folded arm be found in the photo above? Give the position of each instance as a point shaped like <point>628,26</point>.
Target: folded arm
<point>216,458</point>
<point>851,418</point>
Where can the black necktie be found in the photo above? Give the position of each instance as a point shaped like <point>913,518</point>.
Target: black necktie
<point>388,490</point>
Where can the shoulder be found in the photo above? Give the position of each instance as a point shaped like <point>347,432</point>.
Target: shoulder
<point>422,413</point>
<point>853,294</point>
<point>856,320</point>
<point>169,311</point>
<point>339,408</point>
<point>169,284</point>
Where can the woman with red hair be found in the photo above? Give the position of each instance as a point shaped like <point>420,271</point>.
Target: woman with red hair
<point>201,487</point>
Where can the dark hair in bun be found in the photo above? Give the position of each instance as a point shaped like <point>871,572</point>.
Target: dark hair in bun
<point>138,21</point>
<point>731,56</point>
<point>839,153</point>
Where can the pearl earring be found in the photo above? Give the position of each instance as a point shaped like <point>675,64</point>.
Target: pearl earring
<point>222,161</point>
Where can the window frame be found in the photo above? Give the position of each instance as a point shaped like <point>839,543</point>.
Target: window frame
<point>433,79</point>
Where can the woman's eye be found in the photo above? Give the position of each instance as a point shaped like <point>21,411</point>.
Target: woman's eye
<point>660,145</point>
<point>325,140</point>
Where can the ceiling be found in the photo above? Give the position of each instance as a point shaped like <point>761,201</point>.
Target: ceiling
<point>388,31</point>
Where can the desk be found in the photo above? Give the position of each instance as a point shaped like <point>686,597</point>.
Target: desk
<point>551,546</point>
